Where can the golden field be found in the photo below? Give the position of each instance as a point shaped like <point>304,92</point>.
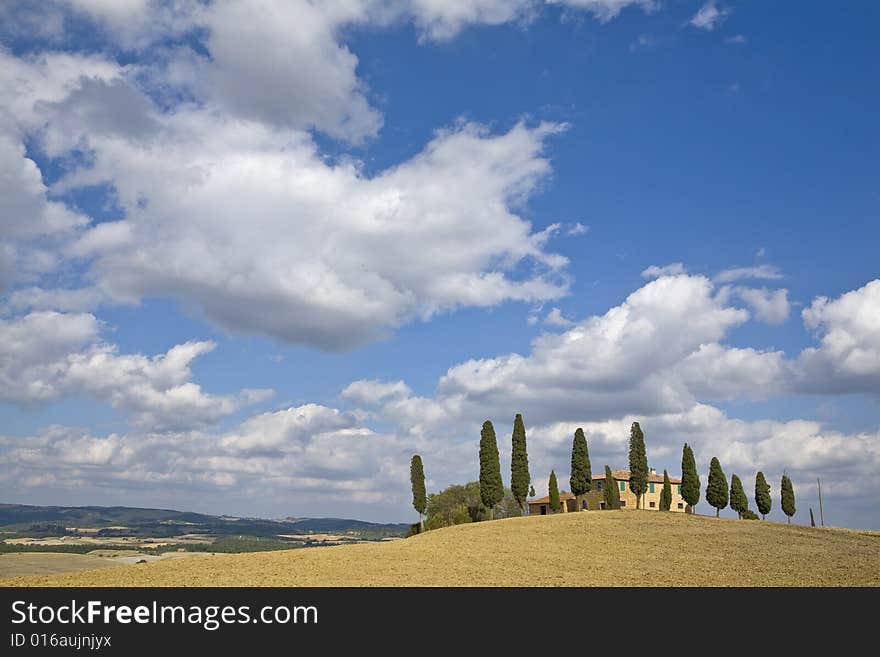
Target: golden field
<point>593,548</point>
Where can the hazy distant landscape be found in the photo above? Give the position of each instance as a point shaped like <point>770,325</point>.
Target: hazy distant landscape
<point>45,539</point>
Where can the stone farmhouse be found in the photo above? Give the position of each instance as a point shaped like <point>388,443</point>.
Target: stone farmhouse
<point>594,500</point>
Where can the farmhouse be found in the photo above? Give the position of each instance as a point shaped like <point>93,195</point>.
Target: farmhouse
<point>595,498</point>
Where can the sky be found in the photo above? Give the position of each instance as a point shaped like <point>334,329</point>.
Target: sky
<point>255,255</point>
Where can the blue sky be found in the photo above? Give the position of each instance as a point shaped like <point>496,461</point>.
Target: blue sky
<point>393,220</point>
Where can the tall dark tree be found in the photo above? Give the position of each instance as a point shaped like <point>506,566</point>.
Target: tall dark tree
<point>716,488</point>
<point>611,493</point>
<point>787,493</point>
<point>666,495</point>
<point>555,503</point>
<point>491,486</point>
<point>581,479</point>
<point>420,497</point>
<point>638,463</point>
<point>762,495</point>
<point>519,464</point>
<point>690,480</point>
<point>531,491</point>
<point>738,500</point>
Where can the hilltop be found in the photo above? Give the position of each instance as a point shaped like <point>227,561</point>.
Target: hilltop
<point>577,549</point>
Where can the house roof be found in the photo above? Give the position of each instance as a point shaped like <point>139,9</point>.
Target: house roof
<point>623,475</point>
<point>546,498</point>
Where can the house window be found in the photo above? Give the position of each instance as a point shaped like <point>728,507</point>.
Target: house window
<point>651,487</point>
<point>599,484</point>
<point>679,489</point>
<point>680,505</point>
<point>622,486</point>
<point>652,503</point>
<point>622,502</point>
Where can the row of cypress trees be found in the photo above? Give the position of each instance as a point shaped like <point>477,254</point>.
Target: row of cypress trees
<point>581,480</point>
<point>719,496</point>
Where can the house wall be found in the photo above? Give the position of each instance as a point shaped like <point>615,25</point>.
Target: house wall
<point>628,499</point>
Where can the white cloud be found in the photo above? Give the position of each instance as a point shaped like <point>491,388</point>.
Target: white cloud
<point>37,298</point>
<point>272,239</point>
<point>605,10</point>
<point>674,269</point>
<point>440,20</point>
<point>577,229</point>
<point>556,318</point>
<point>766,272</point>
<point>848,357</point>
<point>770,306</point>
<point>47,354</point>
<point>370,393</point>
<point>604,364</point>
<point>710,16</point>
<point>26,210</point>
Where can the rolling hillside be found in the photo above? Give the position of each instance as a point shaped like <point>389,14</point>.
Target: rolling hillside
<point>579,549</point>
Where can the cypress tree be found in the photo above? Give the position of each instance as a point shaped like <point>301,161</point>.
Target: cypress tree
<point>531,491</point>
<point>738,500</point>
<point>581,479</point>
<point>519,463</point>
<point>420,497</point>
<point>491,486</point>
<point>762,495</point>
<point>555,503</point>
<point>787,493</point>
<point>611,494</point>
<point>638,463</point>
<point>716,488</point>
<point>666,495</point>
<point>690,480</point>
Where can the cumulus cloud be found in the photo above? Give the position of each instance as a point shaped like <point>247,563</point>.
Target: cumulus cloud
<point>286,459</point>
<point>848,356</point>
<point>279,242</point>
<point>556,318</point>
<point>709,16</point>
<point>371,392</point>
<point>48,354</point>
<point>770,306</point>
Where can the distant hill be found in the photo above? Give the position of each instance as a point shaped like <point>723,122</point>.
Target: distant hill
<point>159,523</point>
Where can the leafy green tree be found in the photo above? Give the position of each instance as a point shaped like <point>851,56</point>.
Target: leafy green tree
<point>716,488</point>
<point>519,463</point>
<point>787,493</point>
<point>417,478</point>
<point>690,480</point>
<point>491,486</point>
<point>738,500</point>
<point>638,463</point>
<point>611,494</point>
<point>666,495</point>
<point>581,479</point>
<point>762,495</point>
<point>555,503</point>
